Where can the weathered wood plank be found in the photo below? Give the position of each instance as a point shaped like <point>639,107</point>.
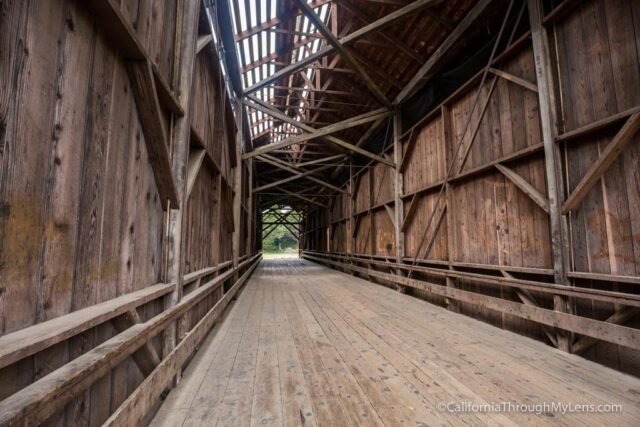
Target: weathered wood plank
<point>155,135</point>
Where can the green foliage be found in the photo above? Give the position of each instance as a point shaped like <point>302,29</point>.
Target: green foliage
<point>280,239</point>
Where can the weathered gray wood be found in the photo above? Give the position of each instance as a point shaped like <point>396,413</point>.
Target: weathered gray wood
<point>435,60</point>
<point>273,161</point>
<point>26,342</point>
<point>38,401</point>
<point>291,178</point>
<point>346,40</point>
<point>184,58</point>
<point>514,79</point>
<point>195,161</point>
<point>398,190</point>
<point>146,356</point>
<point>155,135</point>
<point>618,318</point>
<point>606,159</point>
<point>140,402</point>
<point>526,188</point>
<point>119,32</point>
<point>552,169</point>
<point>621,335</point>
<point>344,53</point>
<point>316,133</point>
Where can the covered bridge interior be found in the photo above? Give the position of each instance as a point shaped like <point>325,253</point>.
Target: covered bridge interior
<point>462,178</point>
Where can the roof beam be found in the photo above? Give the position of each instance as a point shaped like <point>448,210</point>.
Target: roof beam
<point>271,23</point>
<point>279,164</point>
<point>435,60</point>
<point>346,55</point>
<point>289,179</point>
<point>266,108</point>
<point>377,25</point>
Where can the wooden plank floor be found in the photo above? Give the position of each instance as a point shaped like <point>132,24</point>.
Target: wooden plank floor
<point>306,345</point>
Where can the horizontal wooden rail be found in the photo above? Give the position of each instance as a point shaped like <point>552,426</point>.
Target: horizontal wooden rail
<point>548,288</point>
<point>138,404</point>
<point>621,335</point>
<point>40,400</point>
<point>28,341</point>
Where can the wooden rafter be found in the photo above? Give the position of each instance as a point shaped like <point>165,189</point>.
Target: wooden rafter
<point>344,53</point>
<point>377,25</point>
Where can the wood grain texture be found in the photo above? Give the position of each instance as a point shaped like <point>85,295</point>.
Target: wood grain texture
<point>326,348</point>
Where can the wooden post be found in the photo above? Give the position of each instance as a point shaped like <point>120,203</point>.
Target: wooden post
<point>559,237</point>
<point>185,55</point>
<point>398,189</point>
<point>250,221</point>
<point>351,199</point>
<point>237,191</point>
<point>447,144</point>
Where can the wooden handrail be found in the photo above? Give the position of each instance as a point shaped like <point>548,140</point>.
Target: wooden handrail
<point>32,339</point>
<point>28,341</point>
<point>621,335</point>
<point>43,398</point>
<point>548,288</point>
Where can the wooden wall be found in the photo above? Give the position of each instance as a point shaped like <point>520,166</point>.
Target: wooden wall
<point>482,221</point>
<point>81,219</point>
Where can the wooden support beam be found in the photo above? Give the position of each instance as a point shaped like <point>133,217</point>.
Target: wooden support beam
<point>146,357</point>
<point>527,298</point>
<point>291,178</point>
<point>271,23</point>
<point>606,159</point>
<point>364,118</point>
<point>354,231</point>
<point>172,244</point>
<point>558,226</point>
<point>271,161</point>
<point>136,407</point>
<point>311,132</point>
<point>514,79</point>
<point>377,25</point>
<point>155,135</point>
<point>203,41</point>
<point>447,150</point>
<point>398,190</point>
<point>391,213</point>
<point>362,16</point>
<point>306,199</point>
<point>344,53</point>
<point>436,59</point>
<point>195,162</point>
<point>526,188</point>
<point>363,139</point>
<point>337,157</point>
<point>620,317</point>
<point>413,207</point>
<point>408,150</point>
<point>598,125</point>
<point>436,228</point>
<point>123,37</point>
